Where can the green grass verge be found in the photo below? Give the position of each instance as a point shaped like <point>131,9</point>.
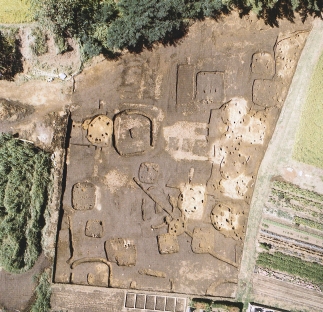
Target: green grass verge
<point>309,144</point>
<point>15,11</point>
<point>310,271</point>
<point>24,186</point>
<point>43,293</point>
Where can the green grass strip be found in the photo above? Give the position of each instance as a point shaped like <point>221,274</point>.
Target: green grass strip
<point>309,144</point>
<point>310,271</point>
<point>43,293</point>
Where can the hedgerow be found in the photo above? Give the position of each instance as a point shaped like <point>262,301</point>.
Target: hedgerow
<point>24,185</point>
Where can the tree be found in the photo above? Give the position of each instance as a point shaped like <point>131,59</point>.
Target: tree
<point>85,20</point>
<point>101,26</point>
<point>143,22</point>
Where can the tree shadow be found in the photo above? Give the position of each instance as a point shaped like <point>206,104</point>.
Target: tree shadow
<point>10,58</point>
<point>175,37</point>
<point>282,9</point>
<point>171,38</point>
<point>305,11</point>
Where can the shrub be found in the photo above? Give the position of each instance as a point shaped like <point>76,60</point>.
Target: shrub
<point>144,22</point>
<point>39,46</point>
<point>102,26</point>
<point>24,184</point>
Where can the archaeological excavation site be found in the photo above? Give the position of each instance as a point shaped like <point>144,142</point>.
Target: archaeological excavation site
<point>177,181</point>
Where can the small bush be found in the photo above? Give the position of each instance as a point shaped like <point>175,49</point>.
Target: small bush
<point>39,46</point>
<point>24,185</point>
<point>265,246</point>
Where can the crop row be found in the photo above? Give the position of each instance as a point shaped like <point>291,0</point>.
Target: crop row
<point>310,271</point>
<point>309,223</point>
<point>299,192</point>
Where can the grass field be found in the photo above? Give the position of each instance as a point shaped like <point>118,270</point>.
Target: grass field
<point>15,11</point>
<point>309,144</point>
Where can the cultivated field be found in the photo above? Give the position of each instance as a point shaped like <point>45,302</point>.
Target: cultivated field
<point>309,144</point>
<point>15,11</point>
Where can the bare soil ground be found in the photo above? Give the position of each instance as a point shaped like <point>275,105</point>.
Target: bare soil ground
<point>163,154</point>
<point>17,291</point>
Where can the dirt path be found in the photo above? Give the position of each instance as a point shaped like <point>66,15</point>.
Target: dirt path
<point>279,155</point>
<point>15,298</point>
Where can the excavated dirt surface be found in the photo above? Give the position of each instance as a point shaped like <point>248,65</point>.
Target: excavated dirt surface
<point>163,153</point>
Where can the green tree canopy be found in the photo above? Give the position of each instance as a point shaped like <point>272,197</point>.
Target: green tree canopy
<point>85,20</point>
<point>102,26</point>
<point>142,22</point>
